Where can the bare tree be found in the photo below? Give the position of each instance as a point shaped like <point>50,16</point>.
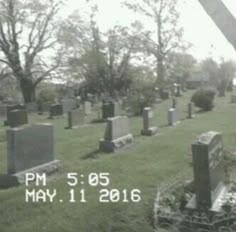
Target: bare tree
<point>27,29</point>
<point>167,38</point>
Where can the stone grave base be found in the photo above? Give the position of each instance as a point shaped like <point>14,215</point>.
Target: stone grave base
<point>174,124</point>
<point>219,194</point>
<point>111,146</point>
<point>150,132</point>
<point>10,180</point>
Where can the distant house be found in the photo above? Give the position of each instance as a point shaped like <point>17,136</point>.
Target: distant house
<point>197,79</point>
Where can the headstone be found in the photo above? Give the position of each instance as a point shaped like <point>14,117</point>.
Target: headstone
<point>208,169</point>
<point>17,118</point>
<point>233,98</point>
<point>55,110</point>
<point>13,107</point>
<point>148,129</point>
<point>110,109</point>
<point>87,107</point>
<point>172,117</point>
<point>190,110</point>
<point>30,148</point>
<point>116,135</point>
<point>174,102</point>
<point>75,118</point>
<point>68,105</point>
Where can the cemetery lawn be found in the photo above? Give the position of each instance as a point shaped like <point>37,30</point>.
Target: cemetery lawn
<point>147,164</point>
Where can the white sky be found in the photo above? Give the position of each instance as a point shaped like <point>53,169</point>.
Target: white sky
<point>199,29</point>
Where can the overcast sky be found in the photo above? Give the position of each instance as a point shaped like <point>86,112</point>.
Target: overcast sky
<point>199,29</point>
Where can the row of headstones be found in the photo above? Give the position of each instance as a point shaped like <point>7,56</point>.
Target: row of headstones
<point>32,148</point>
<point>16,115</point>
<point>207,155</point>
<point>117,133</point>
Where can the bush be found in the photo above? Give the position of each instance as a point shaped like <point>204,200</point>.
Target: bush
<point>47,95</point>
<point>204,99</point>
<point>138,101</point>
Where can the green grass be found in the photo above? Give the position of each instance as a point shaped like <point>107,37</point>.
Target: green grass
<point>150,162</point>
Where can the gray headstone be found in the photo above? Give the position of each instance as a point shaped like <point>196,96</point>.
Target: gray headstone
<point>17,118</point>
<point>208,168</point>
<point>29,146</point>
<point>172,117</point>
<point>68,105</point>
<point>75,118</point>
<point>148,128</point>
<point>116,135</point>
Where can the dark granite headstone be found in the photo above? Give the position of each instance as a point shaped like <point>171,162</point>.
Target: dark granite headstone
<point>110,109</point>
<point>13,107</point>
<point>17,118</point>
<point>55,110</point>
<point>208,167</point>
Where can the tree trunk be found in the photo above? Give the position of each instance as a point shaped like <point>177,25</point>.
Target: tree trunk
<point>28,90</point>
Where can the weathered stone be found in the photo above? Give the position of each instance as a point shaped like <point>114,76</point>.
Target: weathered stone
<point>68,105</point>
<point>17,118</point>
<point>110,109</point>
<point>30,147</point>
<point>148,129</point>
<point>55,110</point>
<point>75,118</point>
<point>208,168</point>
<point>116,135</point>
